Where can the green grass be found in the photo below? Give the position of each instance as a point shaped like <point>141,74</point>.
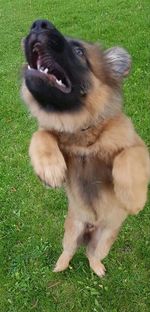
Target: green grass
<point>32,217</point>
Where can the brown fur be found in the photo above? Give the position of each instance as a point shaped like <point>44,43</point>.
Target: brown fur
<point>104,163</point>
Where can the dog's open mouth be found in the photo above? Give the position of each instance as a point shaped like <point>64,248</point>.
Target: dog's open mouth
<point>49,68</point>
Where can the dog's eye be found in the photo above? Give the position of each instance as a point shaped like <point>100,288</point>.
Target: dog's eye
<point>79,51</point>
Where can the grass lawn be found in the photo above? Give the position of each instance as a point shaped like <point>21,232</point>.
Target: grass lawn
<point>32,217</point>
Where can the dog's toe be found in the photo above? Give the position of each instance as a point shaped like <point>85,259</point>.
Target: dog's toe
<point>60,267</point>
<point>98,267</point>
<point>62,263</point>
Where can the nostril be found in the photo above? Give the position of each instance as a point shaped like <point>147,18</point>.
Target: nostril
<point>41,25</point>
<point>33,26</point>
<point>44,25</point>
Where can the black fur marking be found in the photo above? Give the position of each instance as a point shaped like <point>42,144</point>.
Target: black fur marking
<point>94,174</point>
<point>51,99</point>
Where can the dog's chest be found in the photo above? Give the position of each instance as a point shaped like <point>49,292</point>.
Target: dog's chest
<point>88,175</point>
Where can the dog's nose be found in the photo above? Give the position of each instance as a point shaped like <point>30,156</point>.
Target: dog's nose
<point>41,25</point>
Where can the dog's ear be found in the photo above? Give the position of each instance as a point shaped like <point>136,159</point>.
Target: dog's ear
<point>118,62</point>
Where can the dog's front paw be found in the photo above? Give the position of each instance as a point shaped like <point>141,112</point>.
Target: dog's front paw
<point>50,170</point>
<point>47,159</point>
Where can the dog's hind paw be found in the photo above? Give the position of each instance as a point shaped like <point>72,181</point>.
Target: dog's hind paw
<point>63,262</point>
<point>97,267</point>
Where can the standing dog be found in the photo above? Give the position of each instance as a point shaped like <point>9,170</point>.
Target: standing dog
<point>73,89</point>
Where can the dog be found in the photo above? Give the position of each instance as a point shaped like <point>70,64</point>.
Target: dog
<point>84,142</point>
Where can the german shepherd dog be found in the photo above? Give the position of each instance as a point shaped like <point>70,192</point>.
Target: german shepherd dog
<point>84,141</point>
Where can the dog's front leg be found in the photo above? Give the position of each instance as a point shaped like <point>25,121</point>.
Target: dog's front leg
<point>131,172</point>
<point>47,159</point>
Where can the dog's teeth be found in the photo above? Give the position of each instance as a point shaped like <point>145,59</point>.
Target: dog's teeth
<point>38,65</point>
<point>59,82</point>
<point>46,70</point>
<point>42,69</point>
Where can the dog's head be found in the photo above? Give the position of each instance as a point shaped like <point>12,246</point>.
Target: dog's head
<point>69,83</point>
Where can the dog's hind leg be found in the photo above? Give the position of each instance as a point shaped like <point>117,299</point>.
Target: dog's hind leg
<point>74,229</point>
<point>98,248</point>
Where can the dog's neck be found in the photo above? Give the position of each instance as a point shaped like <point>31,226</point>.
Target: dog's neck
<point>99,121</point>
<point>84,137</point>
